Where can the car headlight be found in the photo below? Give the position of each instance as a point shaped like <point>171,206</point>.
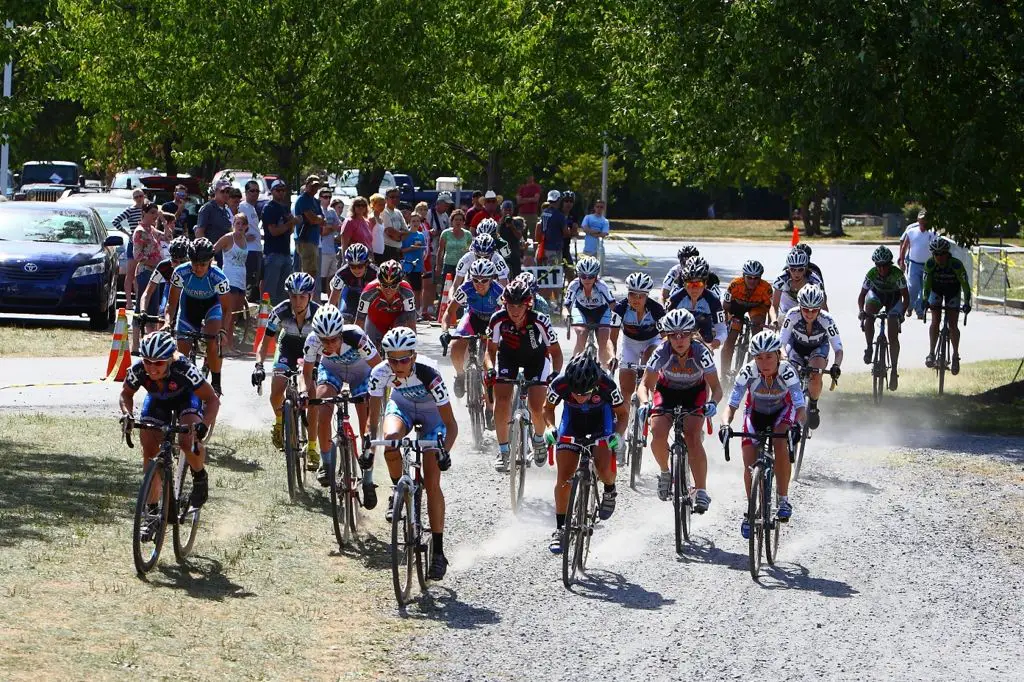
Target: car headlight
<point>90,269</point>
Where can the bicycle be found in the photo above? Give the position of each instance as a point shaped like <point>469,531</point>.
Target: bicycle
<point>409,539</point>
<point>345,478</point>
<point>942,348</point>
<point>295,435</point>
<point>761,509</point>
<point>474,374</point>
<point>581,514</point>
<point>636,429</point>
<point>591,348</point>
<point>520,442</point>
<point>880,362</point>
<point>683,490</point>
<point>741,351</point>
<point>193,339</point>
<point>805,375</point>
<point>173,503</point>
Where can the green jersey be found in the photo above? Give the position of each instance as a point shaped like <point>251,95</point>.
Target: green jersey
<point>947,280</point>
<point>885,287</point>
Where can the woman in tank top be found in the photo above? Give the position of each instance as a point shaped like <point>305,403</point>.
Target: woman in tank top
<point>235,249</point>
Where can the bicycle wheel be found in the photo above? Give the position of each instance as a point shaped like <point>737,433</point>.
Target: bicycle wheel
<point>772,525</point>
<point>680,496</point>
<point>302,456</point>
<point>474,393</point>
<point>740,352</point>
<point>186,522</point>
<point>290,443</point>
<point>754,516</point>
<point>146,553</point>
<point>800,454</point>
<point>574,529</point>
<point>518,439</point>
<point>941,362</point>
<point>338,485</point>
<point>351,491</point>
<point>879,369</point>
<point>635,446</point>
<point>423,541</point>
<point>402,548</point>
<point>591,521</point>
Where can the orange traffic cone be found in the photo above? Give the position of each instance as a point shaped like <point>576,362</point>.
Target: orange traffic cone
<point>261,322</point>
<point>119,359</point>
<point>796,236</point>
<point>445,297</point>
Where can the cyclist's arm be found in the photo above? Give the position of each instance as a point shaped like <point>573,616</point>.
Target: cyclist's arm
<point>555,353</point>
<point>836,342</point>
<point>373,418</point>
<point>172,306</point>
<point>451,425</point>
<point>127,399</point>
<point>647,384</point>
<point>621,414</point>
<point>307,378</point>
<point>716,386</point>
<point>926,288</point>
<point>785,333</point>
<point>965,285</point>
<point>776,300</point>
<point>862,298</point>
<point>549,416</point>
<point>211,403</point>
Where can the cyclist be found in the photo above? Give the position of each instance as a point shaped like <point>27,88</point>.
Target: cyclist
<point>884,287</point>
<point>807,333</point>
<point>788,284</point>
<point>945,277</point>
<point>593,406</point>
<point>345,355</point>
<point>806,248</point>
<point>588,303</point>
<point>773,399</point>
<point>177,251</point>
<point>196,301</point>
<point>350,280</point>
<point>538,302</point>
<point>521,338</point>
<point>479,299</point>
<point>418,396</point>
<point>674,281</point>
<point>482,248</point>
<point>638,316</point>
<point>386,302</point>
<point>699,300</point>
<point>750,295</point>
<point>489,226</point>
<point>173,385</point>
<point>290,321</point>
<point>679,374</point>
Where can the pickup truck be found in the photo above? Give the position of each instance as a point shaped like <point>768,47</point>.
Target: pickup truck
<point>47,180</point>
<point>412,195</point>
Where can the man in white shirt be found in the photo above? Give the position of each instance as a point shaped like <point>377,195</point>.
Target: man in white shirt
<point>254,241</point>
<point>395,229</point>
<point>914,247</point>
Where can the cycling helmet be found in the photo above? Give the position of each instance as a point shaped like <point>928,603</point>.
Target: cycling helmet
<point>517,292</point>
<point>569,195</point>
<point>483,267</point>
<point>157,346</point>
<point>686,253</point>
<point>940,246</point>
<point>588,266</point>
<point>805,247</point>
<point>695,268</point>
<point>765,341</point>
<point>582,373</point>
<point>487,226</point>
<point>200,251</point>
<point>797,259</point>
<point>357,254</point>
<point>328,321</point>
<point>753,268</point>
<point>483,245</point>
<point>678,320</point>
<point>529,279</point>
<point>639,282</point>
<point>882,256</point>
<point>299,283</point>
<point>399,339</point>
<point>178,248</point>
<point>810,296</point>
<point>390,273</point>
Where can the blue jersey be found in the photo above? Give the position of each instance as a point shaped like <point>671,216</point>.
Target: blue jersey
<point>214,283</point>
<point>475,304</point>
<point>423,389</point>
<point>350,364</point>
<point>636,327</point>
<point>707,311</point>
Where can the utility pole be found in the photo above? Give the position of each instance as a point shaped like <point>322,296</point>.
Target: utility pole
<point>604,170</point>
<point>5,149</point>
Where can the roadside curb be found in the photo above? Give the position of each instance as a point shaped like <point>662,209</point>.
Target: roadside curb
<point>831,241</point>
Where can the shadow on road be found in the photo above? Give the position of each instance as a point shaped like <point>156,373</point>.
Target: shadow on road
<point>201,578</point>
<point>821,481</point>
<point>536,510</point>
<point>441,604</point>
<point>704,551</point>
<point>613,587</point>
<point>225,456</point>
<point>373,552</point>
<point>794,576</point>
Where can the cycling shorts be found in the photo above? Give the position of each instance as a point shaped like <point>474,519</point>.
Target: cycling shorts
<point>598,423</point>
<point>357,387</point>
<point>470,325</point>
<point>741,309</point>
<point>781,420</point>
<point>535,369</point>
<point>893,303</point>
<point>667,399</point>
<point>432,424</point>
<point>950,302</point>
<point>632,351</point>
<point>194,312</point>
<point>156,412</point>
<point>799,354</point>
<point>600,316</point>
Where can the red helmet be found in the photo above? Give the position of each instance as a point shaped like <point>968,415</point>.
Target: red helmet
<point>390,273</point>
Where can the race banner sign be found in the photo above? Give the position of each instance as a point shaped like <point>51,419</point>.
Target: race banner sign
<point>548,276</point>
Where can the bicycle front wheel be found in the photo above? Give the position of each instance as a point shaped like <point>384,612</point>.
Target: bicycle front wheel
<point>879,369</point>
<point>186,522</point>
<point>635,447</point>
<point>301,454</point>
<point>338,485</point>
<point>756,520</point>
<point>146,552</point>
<point>403,549</point>
<point>518,439</point>
<point>350,489</point>
<point>290,447</point>
<point>800,454</point>
<point>942,361</point>
<point>771,525</point>
<point>680,496</point>
<point>574,530</point>
<point>475,403</point>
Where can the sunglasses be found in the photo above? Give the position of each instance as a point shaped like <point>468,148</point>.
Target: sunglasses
<point>680,335</point>
<point>354,266</point>
<point>481,280</point>
<point>808,310</point>
<point>584,394</point>
<point>151,363</point>
<point>694,282</point>
<point>588,277</point>
<point>404,360</point>
<point>793,269</point>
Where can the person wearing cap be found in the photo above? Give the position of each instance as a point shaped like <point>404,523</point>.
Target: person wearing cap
<point>307,235</point>
<point>476,207</point>
<point>396,229</point>
<point>528,202</point>
<point>214,218</point>
<point>572,230</point>
<point>595,228</point>
<point>254,245</point>
<point>914,246</point>
<point>278,224</point>
<point>490,210</point>
<point>552,230</point>
<point>178,208</point>
<point>511,231</point>
<point>329,233</point>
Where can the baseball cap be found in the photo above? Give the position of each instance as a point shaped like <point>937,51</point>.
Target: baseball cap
<point>554,195</point>
<point>222,184</point>
<point>446,197</point>
<point>490,195</point>
<point>278,183</point>
<point>506,204</point>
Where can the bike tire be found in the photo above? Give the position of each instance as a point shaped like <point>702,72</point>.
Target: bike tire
<point>424,546</point>
<point>754,516</point>
<point>800,455</point>
<point>679,497</point>
<point>879,369</point>
<point>518,438</point>
<point>302,456</point>
<point>338,487</point>
<point>145,559</point>
<point>772,525</point>
<point>591,518</point>
<point>350,477</point>
<point>942,361</point>
<point>186,521</point>
<point>403,549</point>
<point>573,530</point>
<point>475,403</point>
<point>635,450</point>
<point>290,458</point>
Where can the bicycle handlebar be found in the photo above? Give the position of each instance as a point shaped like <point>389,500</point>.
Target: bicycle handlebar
<point>746,434</point>
<point>396,443</point>
<point>128,424</point>
<point>342,397</point>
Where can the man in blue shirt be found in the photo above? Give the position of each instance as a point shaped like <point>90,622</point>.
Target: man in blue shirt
<point>595,229</point>
<point>307,234</point>
<point>552,229</point>
<point>278,223</point>
<point>215,218</point>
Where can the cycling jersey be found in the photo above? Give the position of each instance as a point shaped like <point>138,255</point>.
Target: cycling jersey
<point>707,310</point>
<point>415,398</point>
<point>292,336</point>
<point>525,346</point>
<point>175,393</point>
<point>593,415</point>
<point>784,283</point>
<point>462,267</point>
<point>888,287</point>
<point>675,372</point>
<point>636,327</point>
<point>811,342</point>
<point>349,365</point>
<point>477,308</point>
<point>600,296</point>
<point>380,314</point>
<point>739,300</point>
<point>764,396</point>
<point>200,296</point>
<point>161,277</point>
<point>351,287</point>
<point>946,281</point>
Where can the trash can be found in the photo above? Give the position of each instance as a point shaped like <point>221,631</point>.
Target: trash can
<point>892,224</point>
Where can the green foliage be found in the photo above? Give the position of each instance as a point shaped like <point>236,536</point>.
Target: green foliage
<point>583,174</point>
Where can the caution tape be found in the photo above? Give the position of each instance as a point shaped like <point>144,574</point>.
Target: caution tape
<point>642,260</point>
<point>56,383</point>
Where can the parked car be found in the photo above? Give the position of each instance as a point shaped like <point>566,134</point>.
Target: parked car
<point>132,179</point>
<point>108,206</point>
<point>344,184</point>
<point>238,179</point>
<point>47,180</point>
<point>412,194</point>
<point>57,260</point>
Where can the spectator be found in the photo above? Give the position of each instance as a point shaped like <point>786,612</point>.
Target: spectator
<point>512,232</point>
<point>527,202</point>
<point>234,248</point>
<point>128,219</point>
<point>253,243</point>
<point>914,247</point>
<point>329,234</point>
<point>454,244</point>
<point>146,255</point>
<point>307,235</point>
<point>490,210</point>
<point>278,223</point>
<point>551,232</point>
<point>571,231</point>
<point>476,206</point>
<point>377,203</point>
<point>395,227</point>
<point>178,208</point>
<point>214,218</point>
<point>414,248</point>
<point>595,229</point>
<point>356,228</point>
<point>438,219</point>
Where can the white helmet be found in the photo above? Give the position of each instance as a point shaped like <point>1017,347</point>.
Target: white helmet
<point>810,296</point>
<point>399,339</point>
<point>765,341</point>
<point>588,266</point>
<point>328,322</point>
<point>157,346</point>
<point>797,259</point>
<point>678,320</point>
<point>639,282</point>
<point>483,267</point>
<point>487,226</point>
<point>753,268</point>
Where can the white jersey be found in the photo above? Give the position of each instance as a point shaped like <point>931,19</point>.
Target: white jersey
<point>784,283</point>
<point>823,330</point>
<point>600,295</point>
<point>462,267</point>
<point>767,397</point>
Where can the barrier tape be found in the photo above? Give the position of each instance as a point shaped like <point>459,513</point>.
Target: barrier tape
<point>56,383</point>
<point>642,261</point>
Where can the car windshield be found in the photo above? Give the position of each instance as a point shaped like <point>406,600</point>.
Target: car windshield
<point>56,226</point>
<point>49,173</point>
<point>108,213</point>
<point>347,179</point>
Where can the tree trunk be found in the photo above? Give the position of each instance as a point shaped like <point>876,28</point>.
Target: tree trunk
<point>815,228</point>
<point>494,170</point>
<point>369,180</point>
<point>837,212</point>
<point>170,166</point>
<point>805,215</point>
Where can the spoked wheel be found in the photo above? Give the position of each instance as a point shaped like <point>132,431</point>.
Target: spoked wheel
<point>740,354</point>
<point>879,368</point>
<point>403,551</point>
<point>772,527</point>
<point>337,484</point>
<point>756,519</point>
<point>147,552</point>
<point>942,360</point>
<point>519,438</point>
<point>591,523</point>
<point>574,530</point>
<point>186,525</point>
<point>800,454</point>
<point>290,447</point>
<point>301,454</point>
<point>635,446</point>
<point>424,544</point>
<point>475,403</point>
<point>681,503</point>
<point>351,490</point>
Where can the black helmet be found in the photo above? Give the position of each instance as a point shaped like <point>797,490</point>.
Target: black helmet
<point>200,251</point>
<point>569,195</point>
<point>178,248</point>
<point>517,292</point>
<point>582,373</point>
<point>686,253</point>
<point>695,268</point>
<point>805,247</point>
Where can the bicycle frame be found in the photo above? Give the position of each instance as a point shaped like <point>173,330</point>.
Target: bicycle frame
<point>636,434</point>
<point>520,437</point>
<point>679,463</point>
<point>943,348</point>
<point>581,514</point>
<point>880,364</point>
<point>344,487</point>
